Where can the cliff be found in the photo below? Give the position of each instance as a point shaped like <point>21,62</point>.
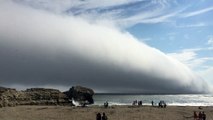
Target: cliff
<point>43,96</point>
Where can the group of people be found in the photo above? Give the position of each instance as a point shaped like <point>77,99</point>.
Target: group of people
<point>99,117</point>
<point>162,104</point>
<point>139,103</point>
<point>199,116</point>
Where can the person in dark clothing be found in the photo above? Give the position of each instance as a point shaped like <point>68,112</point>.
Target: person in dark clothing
<point>104,117</point>
<point>152,103</point>
<point>98,116</point>
<point>106,104</point>
<point>195,115</point>
<point>204,116</point>
<point>200,116</point>
<point>140,103</point>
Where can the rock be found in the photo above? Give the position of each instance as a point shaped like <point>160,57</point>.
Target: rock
<point>8,97</point>
<point>42,96</point>
<point>81,94</point>
<point>33,96</point>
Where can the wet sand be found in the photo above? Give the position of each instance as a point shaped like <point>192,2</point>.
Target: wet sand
<point>113,113</point>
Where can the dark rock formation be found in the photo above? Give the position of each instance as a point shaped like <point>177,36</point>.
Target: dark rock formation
<point>42,96</point>
<point>81,94</point>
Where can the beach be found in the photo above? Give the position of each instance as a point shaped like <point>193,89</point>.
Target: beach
<point>124,112</point>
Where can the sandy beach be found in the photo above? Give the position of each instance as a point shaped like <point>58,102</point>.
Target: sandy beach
<point>113,113</point>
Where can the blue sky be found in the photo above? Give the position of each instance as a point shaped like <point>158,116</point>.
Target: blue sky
<point>181,29</point>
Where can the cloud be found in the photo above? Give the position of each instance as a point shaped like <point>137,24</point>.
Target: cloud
<point>123,13</point>
<point>207,74</point>
<point>198,12</point>
<point>39,48</point>
<point>192,25</point>
<point>190,57</point>
<point>184,56</point>
<point>210,41</point>
<point>60,6</point>
<point>152,17</point>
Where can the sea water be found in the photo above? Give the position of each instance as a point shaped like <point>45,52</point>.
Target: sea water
<point>171,100</point>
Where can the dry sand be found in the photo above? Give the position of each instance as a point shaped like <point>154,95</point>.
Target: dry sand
<point>89,113</point>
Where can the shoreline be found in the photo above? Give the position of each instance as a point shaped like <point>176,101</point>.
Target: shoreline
<point>114,112</point>
<point>150,105</point>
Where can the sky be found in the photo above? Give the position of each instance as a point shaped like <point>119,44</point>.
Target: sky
<point>143,46</point>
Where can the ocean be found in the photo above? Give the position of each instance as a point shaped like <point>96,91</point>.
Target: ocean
<point>171,100</point>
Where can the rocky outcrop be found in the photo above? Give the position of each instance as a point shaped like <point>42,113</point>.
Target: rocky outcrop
<point>81,94</point>
<point>42,96</point>
<point>8,96</point>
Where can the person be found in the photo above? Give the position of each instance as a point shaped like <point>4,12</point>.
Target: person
<point>200,116</point>
<point>140,103</point>
<point>106,104</point>
<point>159,104</point>
<point>98,116</point>
<point>152,103</point>
<point>195,115</point>
<point>135,103</point>
<point>104,117</point>
<point>164,105</point>
<point>204,116</point>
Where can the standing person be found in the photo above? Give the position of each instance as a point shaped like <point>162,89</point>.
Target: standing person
<point>159,104</point>
<point>200,116</point>
<point>195,115</point>
<point>98,116</point>
<point>204,116</point>
<point>134,102</point>
<point>152,103</point>
<point>104,117</point>
<point>139,103</point>
<point>106,104</point>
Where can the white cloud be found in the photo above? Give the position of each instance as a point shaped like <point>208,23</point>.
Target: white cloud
<point>59,6</point>
<point>117,11</point>
<point>192,25</point>
<point>198,12</point>
<point>210,41</point>
<point>40,48</point>
<point>207,74</point>
<point>104,3</point>
<point>151,18</point>
<point>184,56</point>
<point>190,57</point>
<point>187,57</point>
